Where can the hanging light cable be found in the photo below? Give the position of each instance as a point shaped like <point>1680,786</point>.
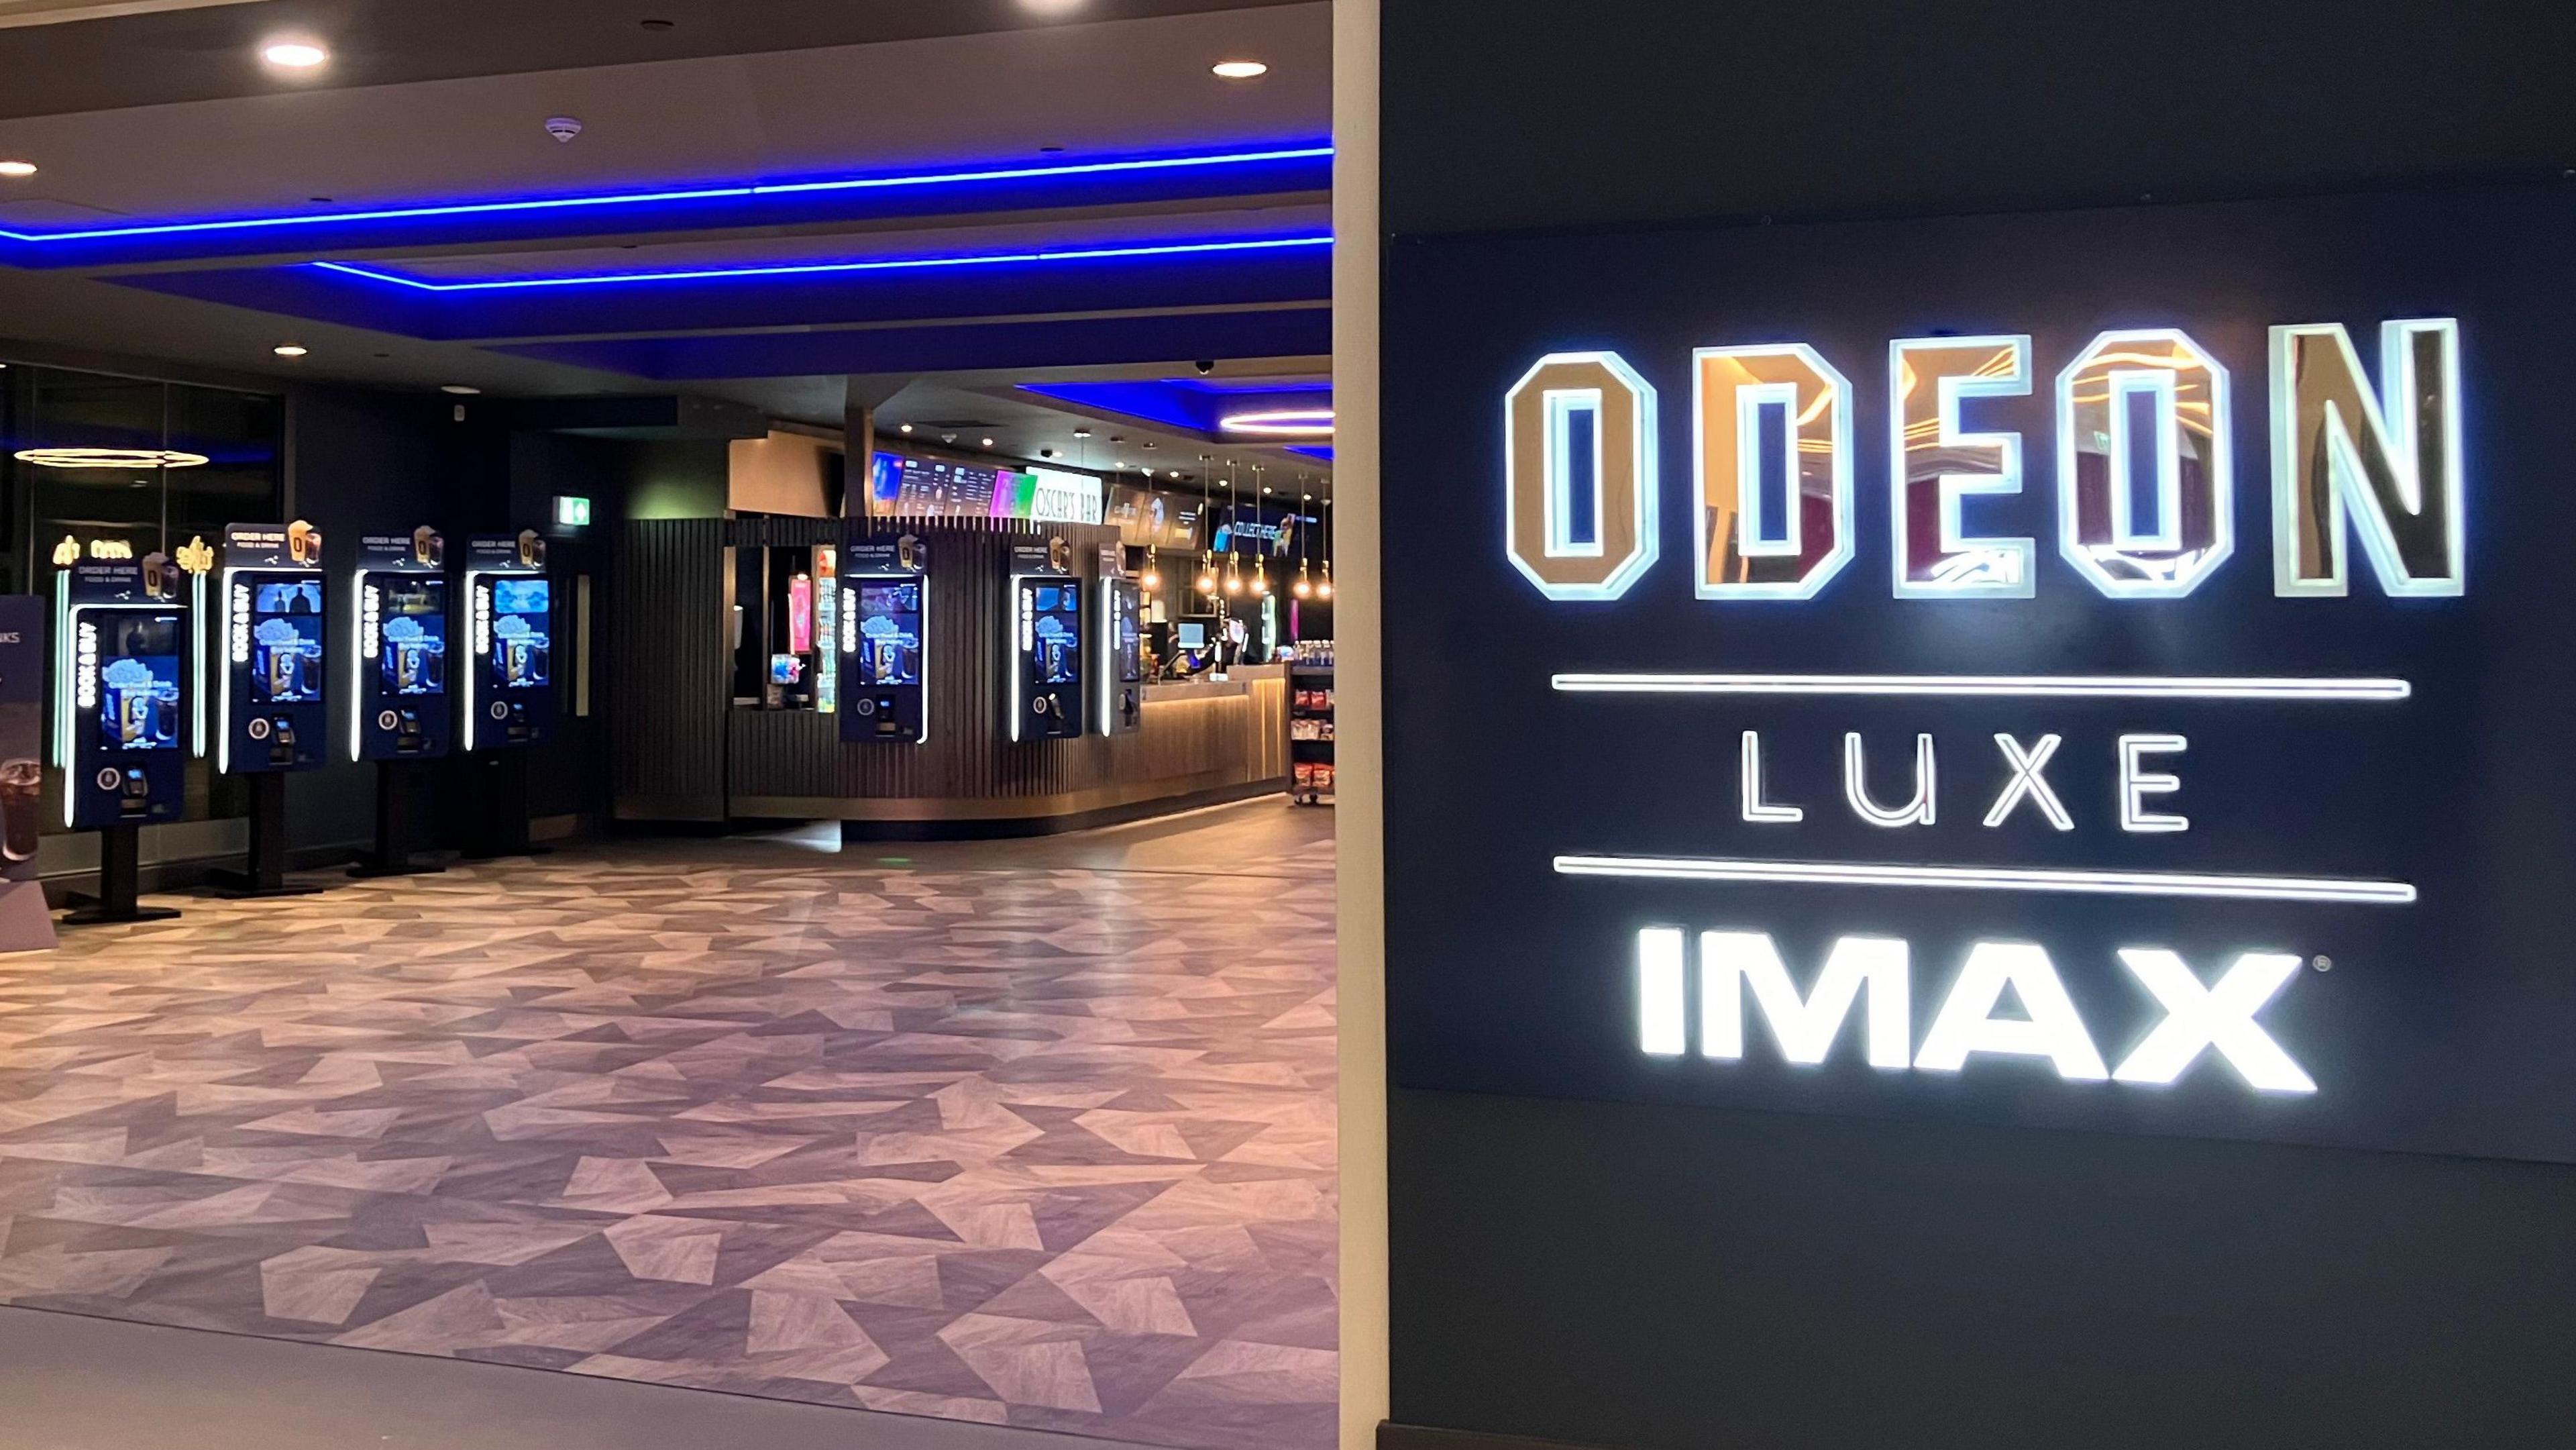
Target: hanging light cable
<point>1260,546</point>
<point>1305,585</point>
<point>1207,521</point>
<point>1233,531</point>
<point>1324,586</point>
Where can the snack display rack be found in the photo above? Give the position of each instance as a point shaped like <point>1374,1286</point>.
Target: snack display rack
<point>1310,723</point>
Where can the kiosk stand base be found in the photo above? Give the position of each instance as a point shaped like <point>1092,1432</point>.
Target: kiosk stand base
<point>396,781</point>
<point>265,873</point>
<point>120,861</point>
<point>501,800</point>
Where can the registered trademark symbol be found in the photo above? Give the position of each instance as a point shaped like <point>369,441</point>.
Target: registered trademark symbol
<point>2323,964</point>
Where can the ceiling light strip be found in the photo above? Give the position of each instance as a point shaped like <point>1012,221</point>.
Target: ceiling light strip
<point>808,269</point>
<point>1052,170</point>
<point>1997,878</point>
<point>2106,687</point>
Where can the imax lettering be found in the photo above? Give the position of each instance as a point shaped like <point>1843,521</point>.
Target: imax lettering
<point>2200,1020</point>
<point>2144,466</point>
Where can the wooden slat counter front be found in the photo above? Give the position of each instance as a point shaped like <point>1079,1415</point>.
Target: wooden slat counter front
<point>1199,743</point>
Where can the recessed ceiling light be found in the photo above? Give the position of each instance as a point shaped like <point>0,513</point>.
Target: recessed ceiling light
<point>905,428</point>
<point>295,54</point>
<point>1051,7</point>
<point>1081,432</point>
<point>288,349</point>
<point>988,442</point>
<point>461,390</point>
<point>17,168</point>
<point>1239,70</point>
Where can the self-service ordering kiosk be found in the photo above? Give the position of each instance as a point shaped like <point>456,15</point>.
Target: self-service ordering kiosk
<point>509,696</point>
<point>883,621</point>
<point>398,651</point>
<point>268,635</point>
<point>400,710</point>
<point>120,653</point>
<point>1046,622</point>
<point>1122,647</point>
<point>506,697</point>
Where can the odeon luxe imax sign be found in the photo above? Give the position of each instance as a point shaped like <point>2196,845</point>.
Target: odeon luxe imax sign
<point>2144,480</point>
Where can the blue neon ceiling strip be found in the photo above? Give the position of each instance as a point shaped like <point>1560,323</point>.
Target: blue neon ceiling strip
<point>1066,169</point>
<point>809,269</point>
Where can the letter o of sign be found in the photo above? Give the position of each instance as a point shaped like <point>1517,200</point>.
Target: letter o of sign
<point>1579,475</point>
<point>2144,412</point>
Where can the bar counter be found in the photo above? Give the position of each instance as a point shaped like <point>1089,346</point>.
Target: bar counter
<point>687,755</point>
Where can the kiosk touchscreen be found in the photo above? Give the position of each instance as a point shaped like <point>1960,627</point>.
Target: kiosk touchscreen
<point>508,695</point>
<point>1122,648</point>
<point>884,621</point>
<point>121,643</point>
<point>398,650</point>
<point>270,620</point>
<point>1046,700</point>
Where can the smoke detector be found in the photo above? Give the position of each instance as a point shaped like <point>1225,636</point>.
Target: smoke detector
<point>563,128</point>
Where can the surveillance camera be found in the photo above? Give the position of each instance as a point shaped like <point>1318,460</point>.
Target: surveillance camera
<point>1205,366</point>
<point>563,128</point>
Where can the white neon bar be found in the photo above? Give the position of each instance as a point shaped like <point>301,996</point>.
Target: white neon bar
<point>2105,687</point>
<point>1997,878</point>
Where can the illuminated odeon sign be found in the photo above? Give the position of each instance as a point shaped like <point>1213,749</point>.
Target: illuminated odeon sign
<point>2143,477</point>
<point>2139,412</point>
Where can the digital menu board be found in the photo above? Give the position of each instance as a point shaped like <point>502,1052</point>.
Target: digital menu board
<point>916,486</point>
<point>1148,517</point>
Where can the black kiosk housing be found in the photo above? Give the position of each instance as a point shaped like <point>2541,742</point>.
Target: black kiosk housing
<point>120,710</point>
<point>401,710</point>
<point>270,639</point>
<point>1045,699</point>
<point>884,626</point>
<point>1122,647</point>
<point>506,692</point>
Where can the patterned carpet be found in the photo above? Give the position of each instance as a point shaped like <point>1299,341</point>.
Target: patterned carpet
<point>1049,1144</point>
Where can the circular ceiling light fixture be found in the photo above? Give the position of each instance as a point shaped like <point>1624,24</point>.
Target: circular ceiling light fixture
<point>294,54</point>
<point>1281,423</point>
<point>906,428</point>
<point>988,442</point>
<point>1051,7</point>
<point>110,458</point>
<point>1239,70</point>
<point>17,170</point>
<point>289,349</point>
<point>461,390</point>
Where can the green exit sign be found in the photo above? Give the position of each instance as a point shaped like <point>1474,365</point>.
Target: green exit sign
<point>572,511</point>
